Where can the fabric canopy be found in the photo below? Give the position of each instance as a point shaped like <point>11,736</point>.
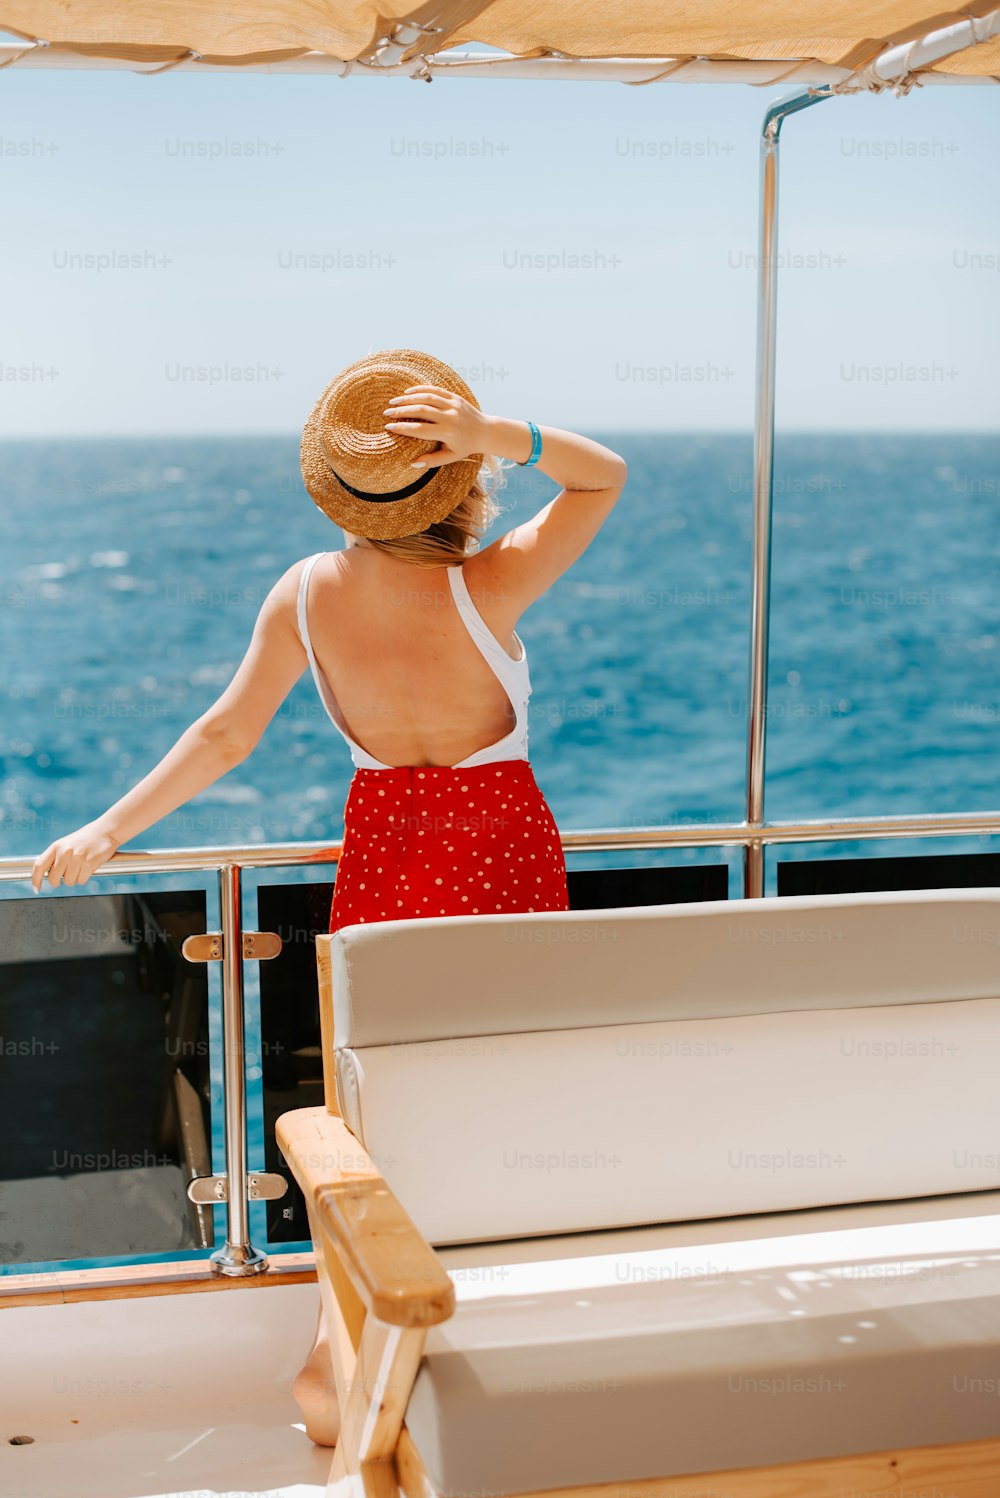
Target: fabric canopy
<point>846,33</point>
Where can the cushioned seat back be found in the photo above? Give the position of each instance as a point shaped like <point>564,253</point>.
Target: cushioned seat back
<point>517,1075</point>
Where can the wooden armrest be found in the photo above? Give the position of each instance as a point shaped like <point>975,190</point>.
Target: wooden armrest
<point>395,1272</point>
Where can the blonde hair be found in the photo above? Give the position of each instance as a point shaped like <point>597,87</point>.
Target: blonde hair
<point>450,540</point>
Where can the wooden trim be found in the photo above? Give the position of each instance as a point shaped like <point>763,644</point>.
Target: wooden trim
<point>125,1282</point>
<point>350,1307</point>
<point>379,1392</point>
<point>411,1474</point>
<point>964,1470</point>
<point>324,972</point>
<point>374,1369</point>
<point>343,1314</point>
<point>394,1271</point>
<point>381,1286</point>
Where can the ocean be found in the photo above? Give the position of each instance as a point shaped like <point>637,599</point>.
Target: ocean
<point>133,570</point>
<point>132,573</point>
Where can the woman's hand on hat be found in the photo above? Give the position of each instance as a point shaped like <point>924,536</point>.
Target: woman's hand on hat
<point>438,415</point>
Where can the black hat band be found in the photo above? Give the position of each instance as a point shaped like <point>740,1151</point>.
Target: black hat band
<point>380,499</point>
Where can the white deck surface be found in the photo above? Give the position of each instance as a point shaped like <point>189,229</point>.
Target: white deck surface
<point>188,1395</point>
<point>179,1395</point>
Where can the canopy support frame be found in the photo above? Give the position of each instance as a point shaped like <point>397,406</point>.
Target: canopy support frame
<point>763,479</point>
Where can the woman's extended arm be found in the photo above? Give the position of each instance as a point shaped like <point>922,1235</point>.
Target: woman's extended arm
<point>220,739</point>
<point>518,568</point>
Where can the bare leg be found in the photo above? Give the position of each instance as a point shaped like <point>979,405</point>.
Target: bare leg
<point>315,1392</point>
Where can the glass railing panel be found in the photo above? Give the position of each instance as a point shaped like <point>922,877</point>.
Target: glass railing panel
<point>106,1103</point>
<point>910,864</point>
<point>606,889</point>
<point>288,1051</point>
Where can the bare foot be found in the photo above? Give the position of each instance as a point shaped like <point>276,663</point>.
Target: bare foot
<point>315,1393</point>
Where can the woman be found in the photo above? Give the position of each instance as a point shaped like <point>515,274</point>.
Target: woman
<point>410,633</point>
<point>422,667</point>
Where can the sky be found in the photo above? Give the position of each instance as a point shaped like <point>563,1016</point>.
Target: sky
<point>201,253</point>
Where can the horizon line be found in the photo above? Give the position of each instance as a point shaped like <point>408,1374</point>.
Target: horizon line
<point>646,431</point>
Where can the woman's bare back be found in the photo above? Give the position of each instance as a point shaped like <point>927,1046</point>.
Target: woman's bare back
<point>411,684</point>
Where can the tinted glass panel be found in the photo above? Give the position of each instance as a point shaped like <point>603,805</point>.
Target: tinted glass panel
<point>104,1108</point>
<point>831,876</point>
<point>604,889</point>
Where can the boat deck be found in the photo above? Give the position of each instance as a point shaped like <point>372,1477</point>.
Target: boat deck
<point>187,1395</point>
<point>170,1396</point>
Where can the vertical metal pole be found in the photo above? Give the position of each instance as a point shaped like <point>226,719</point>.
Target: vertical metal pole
<point>763,485</point>
<point>238,1257</point>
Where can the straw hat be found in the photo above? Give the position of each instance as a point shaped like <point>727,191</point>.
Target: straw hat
<point>359,474</point>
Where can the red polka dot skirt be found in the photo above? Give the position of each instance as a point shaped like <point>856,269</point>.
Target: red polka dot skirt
<point>442,841</point>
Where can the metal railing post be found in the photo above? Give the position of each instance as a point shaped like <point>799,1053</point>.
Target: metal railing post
<point>238,1256</point>
<point>763,486</point>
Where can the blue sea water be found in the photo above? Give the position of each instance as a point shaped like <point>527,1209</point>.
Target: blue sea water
<point>132,572</point>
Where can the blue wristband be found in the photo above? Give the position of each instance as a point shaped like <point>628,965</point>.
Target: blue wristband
<point>536,447</point>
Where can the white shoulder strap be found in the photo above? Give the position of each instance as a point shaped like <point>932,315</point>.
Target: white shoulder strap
<point>303,616</point>
<point>510,672</point>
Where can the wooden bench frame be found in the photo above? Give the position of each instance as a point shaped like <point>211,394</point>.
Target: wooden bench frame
<point>383,1286</point>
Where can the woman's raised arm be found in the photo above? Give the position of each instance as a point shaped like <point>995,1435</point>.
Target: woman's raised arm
<point>519,567</point>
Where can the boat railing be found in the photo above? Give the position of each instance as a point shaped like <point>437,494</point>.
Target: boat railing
<point>237,1187</point>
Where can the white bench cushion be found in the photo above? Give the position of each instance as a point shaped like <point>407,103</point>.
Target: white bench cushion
<point>570,1130</point>
<point>817,1334</point>
<point>708,1061</point>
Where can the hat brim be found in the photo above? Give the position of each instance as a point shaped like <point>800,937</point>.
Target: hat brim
<point>386,520</point>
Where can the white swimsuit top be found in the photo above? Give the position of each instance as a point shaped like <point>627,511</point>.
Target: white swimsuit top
<point>511,674</point>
